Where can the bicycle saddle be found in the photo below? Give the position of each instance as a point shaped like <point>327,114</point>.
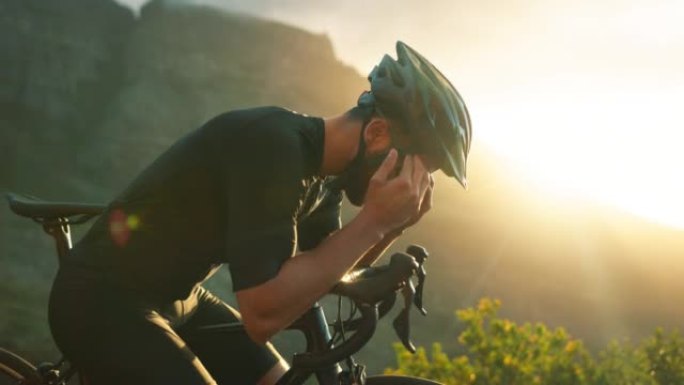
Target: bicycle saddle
<point>32,207</point>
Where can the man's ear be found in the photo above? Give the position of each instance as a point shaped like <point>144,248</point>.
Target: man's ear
<point>377,135</point>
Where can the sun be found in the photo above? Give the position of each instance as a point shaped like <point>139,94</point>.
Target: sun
<point>602,145</point>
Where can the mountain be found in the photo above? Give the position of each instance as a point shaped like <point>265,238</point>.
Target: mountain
<point>61,65</point>
<point>90,94</point>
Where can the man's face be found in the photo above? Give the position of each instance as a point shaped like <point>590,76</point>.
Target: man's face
<point>357,184</point>
<point>358,180</point>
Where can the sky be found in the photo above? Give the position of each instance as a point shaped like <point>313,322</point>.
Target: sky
<point>581,98</point>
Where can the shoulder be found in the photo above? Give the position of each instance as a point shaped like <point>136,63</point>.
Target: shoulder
<point>267,128</point>
<point>251,117</point>
<point>264,139</point>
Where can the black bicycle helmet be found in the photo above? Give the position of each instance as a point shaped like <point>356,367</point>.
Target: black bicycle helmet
<point>412,92</point>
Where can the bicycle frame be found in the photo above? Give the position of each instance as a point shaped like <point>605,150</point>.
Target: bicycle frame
<point>314,326</point>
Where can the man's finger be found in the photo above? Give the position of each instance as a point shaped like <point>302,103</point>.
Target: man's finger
<point>421,177</point>
<point>426,202</point>
<point>387,165</point>
<point>407,167</point>
<point>419,170</point>
<point>427,198</point>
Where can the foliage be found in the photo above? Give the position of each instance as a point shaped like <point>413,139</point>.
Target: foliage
<point>501,352</point>
<point>665,354</point>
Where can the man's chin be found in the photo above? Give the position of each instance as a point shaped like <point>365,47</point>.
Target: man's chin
<point>357,182</point>
<point>355,196</point>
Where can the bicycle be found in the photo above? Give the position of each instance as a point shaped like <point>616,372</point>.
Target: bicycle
<point>372,292</point>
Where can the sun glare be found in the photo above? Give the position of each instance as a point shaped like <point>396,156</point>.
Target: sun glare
<point>611,147</point>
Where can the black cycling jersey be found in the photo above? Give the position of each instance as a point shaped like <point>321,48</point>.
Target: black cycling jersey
<point>243,189</point>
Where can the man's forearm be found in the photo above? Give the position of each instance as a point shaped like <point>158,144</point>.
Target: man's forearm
<point>305,278</point>
<point>376,251</point>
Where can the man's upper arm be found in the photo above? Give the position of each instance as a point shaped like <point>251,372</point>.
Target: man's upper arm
<point>264,189</point>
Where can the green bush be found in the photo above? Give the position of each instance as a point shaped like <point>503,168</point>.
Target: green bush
<point>501,352</point>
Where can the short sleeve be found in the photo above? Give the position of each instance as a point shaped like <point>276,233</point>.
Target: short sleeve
<point>322,222</point>
<point>264,190</point>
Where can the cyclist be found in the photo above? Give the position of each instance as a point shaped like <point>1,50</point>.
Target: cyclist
<point>259,189</point>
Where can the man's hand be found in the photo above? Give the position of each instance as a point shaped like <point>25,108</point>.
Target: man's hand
<point>425,206</point>
<point>393,204</point>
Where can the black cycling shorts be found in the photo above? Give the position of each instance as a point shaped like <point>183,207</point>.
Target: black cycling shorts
<point>116,338</point>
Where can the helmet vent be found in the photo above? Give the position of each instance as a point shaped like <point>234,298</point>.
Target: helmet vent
<point>397,79</point>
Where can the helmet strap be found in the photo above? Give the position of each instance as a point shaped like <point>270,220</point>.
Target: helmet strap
<point>356,164</point>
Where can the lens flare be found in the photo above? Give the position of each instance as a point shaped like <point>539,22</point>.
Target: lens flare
<point>121,225</point>
<point>133,222</point>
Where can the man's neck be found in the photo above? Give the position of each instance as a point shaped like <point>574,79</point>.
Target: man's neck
<point>340,145</point>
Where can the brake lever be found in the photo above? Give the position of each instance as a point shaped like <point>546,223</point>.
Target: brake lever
<point>420,254</point>
<point>418,300</point>
<point>402,323</point>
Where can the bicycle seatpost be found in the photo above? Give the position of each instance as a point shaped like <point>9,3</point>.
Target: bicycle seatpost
<point>60,230</point>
